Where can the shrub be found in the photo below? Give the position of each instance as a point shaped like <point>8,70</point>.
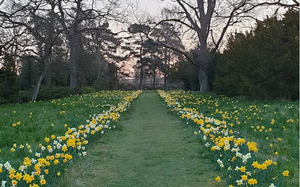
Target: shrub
<point>24,96</point>
<point>54,92</point>
<point>8,86</point>
<point>87,89</point>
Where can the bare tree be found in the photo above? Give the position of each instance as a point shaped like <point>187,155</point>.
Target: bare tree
<point>39,23</point>
<point>167,35</point>
<point>73,15</point>
<point>107,45</point>
<point>200,16</point>
<point>141,31</point>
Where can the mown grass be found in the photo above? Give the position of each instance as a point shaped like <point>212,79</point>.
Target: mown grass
<point>273,125</point>
<point>149,147</point>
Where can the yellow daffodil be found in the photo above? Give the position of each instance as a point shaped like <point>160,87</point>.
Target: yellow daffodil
<point>285,173</point>
<point>218,178</point>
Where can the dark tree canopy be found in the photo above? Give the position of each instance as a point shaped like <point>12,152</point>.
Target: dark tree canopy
<point>263,63</point>
<point>138,28</point>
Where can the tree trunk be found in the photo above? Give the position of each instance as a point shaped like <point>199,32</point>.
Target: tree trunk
<point>166,67</point>
<point>142,66</point>
<point>48,76</point>
<point>203,78</point>
<point>49,43</point>
<point>38,85</point>
<point>116,79</point>
<point>154,78</point>
<point>73,62</point>
<point>165,80</point>
<point>141,78</point>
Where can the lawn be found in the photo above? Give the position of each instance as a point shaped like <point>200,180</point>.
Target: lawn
<point>250,143</point>
<point>271,127</point>
<point>150,147</point>
<point>41,138</point>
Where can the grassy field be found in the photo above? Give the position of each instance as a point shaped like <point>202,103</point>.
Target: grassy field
<point>30,123</point>
<point>42,138</point>
<point>272,127</point>
<point>150,147</point>
<point>251,143</point>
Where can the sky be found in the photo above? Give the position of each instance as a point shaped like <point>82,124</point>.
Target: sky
<point>152,6</point>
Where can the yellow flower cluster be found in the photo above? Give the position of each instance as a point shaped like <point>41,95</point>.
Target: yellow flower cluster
<point>57,151</point>
<point>16,124</point>
<point>264,165</point>
<point>234,154</point>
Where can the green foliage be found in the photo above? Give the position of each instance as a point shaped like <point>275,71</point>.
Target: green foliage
<point>54,92</point>
<point>46,93</point>
<point>187,73</point>
<point>8,63</point>
<point>263,63</point>
<point>127,87</point>
<point>8,86</point>
<point>96,72</point>
<point>213,60</point>
<point>60,69</point>
<point>8,81</point>
<point>87,89</point>
<point>29,75</point>
<point>24,96</point>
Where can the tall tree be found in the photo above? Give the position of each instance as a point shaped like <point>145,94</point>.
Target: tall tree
<point>106,46</point>
<point>39,24</point>
<point>273,72</point>
<point>153,59</point>
<point>198,17</point>
<point>73,22</point>
<point>29,73</point>
<point>167,35</point>
<point>8,80</point>
<point>141,30</point>
<point>46,31</point>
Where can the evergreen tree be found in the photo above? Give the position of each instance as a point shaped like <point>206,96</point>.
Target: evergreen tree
<point>152,56</point>
<point>8,80</point>
<point>30,72</point>
<point>263,63</point>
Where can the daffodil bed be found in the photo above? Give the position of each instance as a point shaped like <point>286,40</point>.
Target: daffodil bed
<point>252,143</point>
<point>40,163</point>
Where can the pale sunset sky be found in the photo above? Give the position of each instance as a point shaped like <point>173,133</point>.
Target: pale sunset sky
<point>152,6</point>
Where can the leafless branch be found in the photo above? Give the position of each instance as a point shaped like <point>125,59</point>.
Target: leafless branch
<point>186,54</point>
<point>193,8</point>
<point>174,20</point>
<point>228,23</point>
<point>188,15</point>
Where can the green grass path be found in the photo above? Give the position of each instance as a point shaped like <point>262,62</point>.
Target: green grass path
<point>151,147</point>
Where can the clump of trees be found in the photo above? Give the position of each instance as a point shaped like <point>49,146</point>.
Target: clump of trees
<point>49,45</point>
<point>260,64</point>
<point>152,55</point>
<point>210,21</point>
<point>263,63</point>
<point>57,43</point>
<point>188,73</point>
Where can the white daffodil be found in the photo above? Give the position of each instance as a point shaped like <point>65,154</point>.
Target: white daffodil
<point>3,183</point>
